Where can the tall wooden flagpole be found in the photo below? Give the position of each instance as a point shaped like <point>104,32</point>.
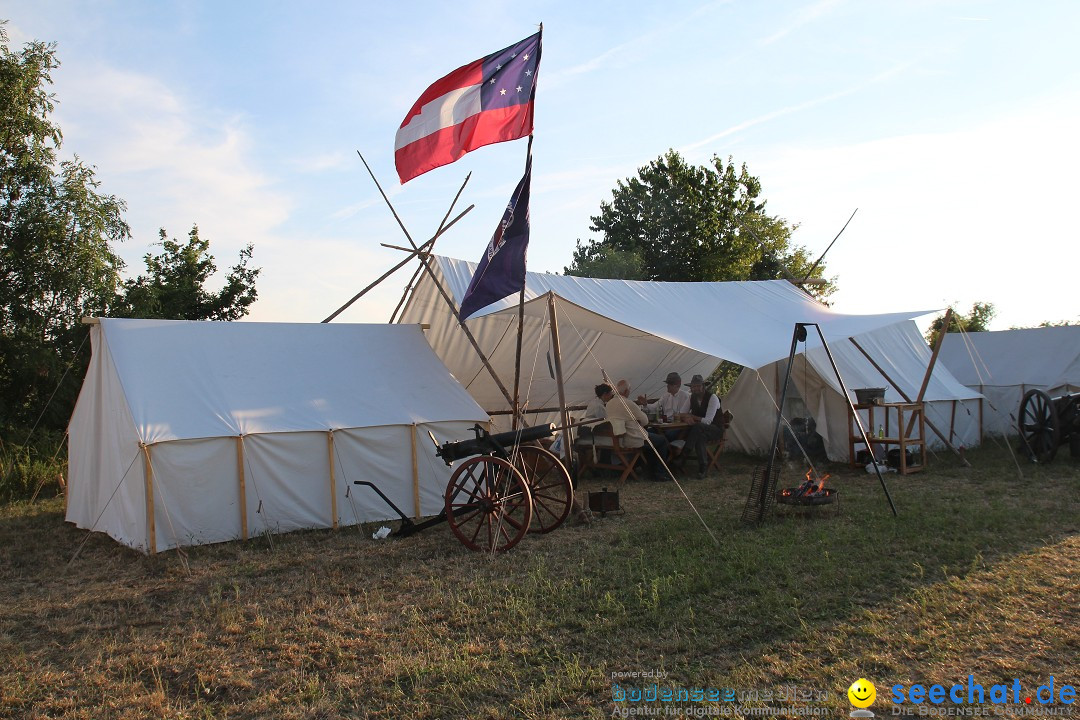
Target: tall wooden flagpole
<point>521,325</point>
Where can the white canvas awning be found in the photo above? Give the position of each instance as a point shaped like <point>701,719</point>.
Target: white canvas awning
<point>634,330</point>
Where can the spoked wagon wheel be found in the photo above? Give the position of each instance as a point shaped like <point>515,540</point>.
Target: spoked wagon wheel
<point>1039,426</point>
<point>550,486</point>
<point>488,504</point>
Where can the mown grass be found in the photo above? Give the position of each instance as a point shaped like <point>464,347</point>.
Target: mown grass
<point>978,575</point>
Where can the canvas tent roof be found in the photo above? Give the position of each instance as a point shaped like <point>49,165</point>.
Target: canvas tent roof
<point>228,408</point>
<point>638,330</point>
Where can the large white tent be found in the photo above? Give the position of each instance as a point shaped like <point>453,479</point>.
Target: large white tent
<point>1003,365</point>
<point>901,354</point>
<point>634,330</point>
<point>197,432</point>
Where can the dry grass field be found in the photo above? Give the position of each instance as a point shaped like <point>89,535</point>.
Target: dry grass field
<point>979,575</point>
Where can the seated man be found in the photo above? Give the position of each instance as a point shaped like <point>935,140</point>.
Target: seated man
<point>672,404</point>
<point>707,422</point>
<point>628,417</point>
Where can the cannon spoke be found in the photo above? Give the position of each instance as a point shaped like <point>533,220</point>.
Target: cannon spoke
<point>500,496</point>
<point>1039,426</point>
<point>550,486</point>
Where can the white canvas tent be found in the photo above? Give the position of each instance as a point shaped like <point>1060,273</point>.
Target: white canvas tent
<point>198,432</point>
<point>898,349</point>
<point>1003,365</point>
<point>637,330</point>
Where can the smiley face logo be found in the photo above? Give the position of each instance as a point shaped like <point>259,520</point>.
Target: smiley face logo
<point>862,693</point>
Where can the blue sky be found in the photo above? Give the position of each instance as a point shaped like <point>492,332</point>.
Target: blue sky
<point>950,125</point>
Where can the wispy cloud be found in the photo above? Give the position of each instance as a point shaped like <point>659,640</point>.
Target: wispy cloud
<point>804,16</point>
<point>791,109</point>
<point>631,47</point>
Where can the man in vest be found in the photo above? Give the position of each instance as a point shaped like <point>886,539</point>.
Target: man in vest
<point>706,422</point>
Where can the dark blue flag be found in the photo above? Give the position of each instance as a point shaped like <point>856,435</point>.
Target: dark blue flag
<point>501,271</point>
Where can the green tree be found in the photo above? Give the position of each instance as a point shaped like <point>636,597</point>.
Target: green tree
<point>978,320</point>
<point>56,261</point>
<point>679,222</point>
<point>174,287</point>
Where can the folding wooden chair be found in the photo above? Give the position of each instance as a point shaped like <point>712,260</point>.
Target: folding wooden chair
<point>713,450</point>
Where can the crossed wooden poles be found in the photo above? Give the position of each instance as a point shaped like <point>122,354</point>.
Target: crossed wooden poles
<point>423,253</point>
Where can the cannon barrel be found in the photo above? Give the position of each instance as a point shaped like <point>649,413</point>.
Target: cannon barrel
<point>484,444</point>
<point>514,437</point>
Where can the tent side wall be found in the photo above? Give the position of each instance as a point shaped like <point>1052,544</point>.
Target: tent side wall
<point>106,487</point>
<point>286,482</point>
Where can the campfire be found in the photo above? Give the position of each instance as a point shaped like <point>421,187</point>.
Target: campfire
<point>812,491</point>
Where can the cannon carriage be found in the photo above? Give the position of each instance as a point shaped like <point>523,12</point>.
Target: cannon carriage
<point>1047,422</point>
<point>504,488</point>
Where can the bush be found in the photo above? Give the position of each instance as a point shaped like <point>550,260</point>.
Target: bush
<point>36,467</point>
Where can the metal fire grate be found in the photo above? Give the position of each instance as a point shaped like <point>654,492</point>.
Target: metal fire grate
<point>762,496</point>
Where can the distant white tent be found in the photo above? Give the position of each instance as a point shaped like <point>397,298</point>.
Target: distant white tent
<point>637,330</point>
<point>1004,364</point>
<point>198,432</point>
<point>899,350</point>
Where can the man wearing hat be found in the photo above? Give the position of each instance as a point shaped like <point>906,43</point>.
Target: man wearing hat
<point>707,422</point>
<point>673,403</point>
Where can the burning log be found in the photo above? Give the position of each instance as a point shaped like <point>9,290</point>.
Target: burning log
<point>810,487</point>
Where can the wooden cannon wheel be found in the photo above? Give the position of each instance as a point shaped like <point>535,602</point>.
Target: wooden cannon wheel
<point>550,486</point>
<point>1040,426</point>
<point>488,504</point>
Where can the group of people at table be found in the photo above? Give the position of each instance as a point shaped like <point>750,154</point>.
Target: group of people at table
<point>695,414</point>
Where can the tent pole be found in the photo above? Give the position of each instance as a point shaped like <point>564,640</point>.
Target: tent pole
<point>415,474</point>
<point>442,227</point>
<point>798,334</point>
<point>933,357</point>
<point>415,252</point>
<point>242,486</point>
<point>858,420</point>
<point>442,291</point>
<point>517,359</point>
<point>426,247</point>
<point>333,481</point>
<point>405,295</point>
<point>468,334</point>
<point>564,415</point>
<point>150,529</point>
<point>908,399</point>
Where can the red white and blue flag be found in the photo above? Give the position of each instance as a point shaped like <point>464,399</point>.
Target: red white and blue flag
<point>484,102</point>
<point>501,271</point>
